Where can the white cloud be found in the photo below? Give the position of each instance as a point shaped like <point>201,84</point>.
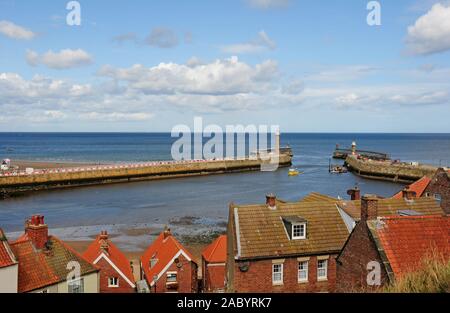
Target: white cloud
<point>15,31</point>
<point>267,4</point>
<point>63,59</point>
<point>228,76</point>
<point>431,32</point>
<point>261,43</point>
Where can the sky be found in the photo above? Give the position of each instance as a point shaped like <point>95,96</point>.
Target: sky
<point>147,66</point>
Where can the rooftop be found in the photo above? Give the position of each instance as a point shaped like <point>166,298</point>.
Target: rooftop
<point>7,257</point>
<point>387,207</point>
<point>259,232</point>
<point>216,252</point>
<point>418,187</point>
<point>407,240</point>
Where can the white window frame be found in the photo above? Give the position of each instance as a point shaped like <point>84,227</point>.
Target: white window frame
<point>304,270</point>
<point>325,268</point>
<point>294,237</point>
<point>172,274</point>
<point>278,281</point>
<point>111,283</point>
<point>438,197</point>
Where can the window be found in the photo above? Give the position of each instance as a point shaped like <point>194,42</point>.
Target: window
<point>113,282</point>
<point>299,231</point>
<point>171,277</point>
<point>76,286</point>
<point>153,262</point>
<point>438,197</point>
<point>322,269</point>
<point>303,271</point>
<point>277,274</point>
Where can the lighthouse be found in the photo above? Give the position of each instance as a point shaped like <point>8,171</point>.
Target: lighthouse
<point>354,148</point>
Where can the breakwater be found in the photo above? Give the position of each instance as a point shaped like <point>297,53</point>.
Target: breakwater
<point>17,183</point>
<point>388,170</point>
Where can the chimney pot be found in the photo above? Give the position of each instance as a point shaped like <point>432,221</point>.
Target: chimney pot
<point>37,231</point>
<point>167,232</point>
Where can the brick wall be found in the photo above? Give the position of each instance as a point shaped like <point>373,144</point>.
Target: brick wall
<point>440,184</point>
<point>213,277</point>
<point>107,271</point>
<point>258,278</point>
<point>186,278</point>
<point>351,267</point>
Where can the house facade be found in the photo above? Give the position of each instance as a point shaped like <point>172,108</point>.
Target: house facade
<point>116,272</point>
<point>214,258</point>
<point>284,247</point>
<point>48,265</point>
<point>9,267</point>
<point>391,245</point>
<point>439,188</point>
<point>167,266</point>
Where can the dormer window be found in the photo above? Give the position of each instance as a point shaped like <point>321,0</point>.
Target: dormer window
<point>299,231</point>
<point>295,227</point>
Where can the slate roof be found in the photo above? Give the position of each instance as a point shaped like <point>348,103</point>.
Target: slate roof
<point>259,232</point>
<point>418,187</point>
<point>407,240</point>
<point>216,252</point>
<point>7,257</point>
<point>114,254</point>
<point>386,207</point>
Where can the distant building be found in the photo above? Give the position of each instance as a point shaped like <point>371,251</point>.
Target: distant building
<point>48,265</point>
<point>116,272</point>
<point>437,187</point>
<point>9,267</point>
<point>214,258</point>
<point>284,247</point>
<point>394,244</point>
<point>169,267</point>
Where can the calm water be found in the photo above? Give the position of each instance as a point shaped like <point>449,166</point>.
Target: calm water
<point>206,197</point>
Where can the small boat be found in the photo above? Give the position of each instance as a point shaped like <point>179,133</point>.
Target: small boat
<point>294,172</point>
<point>338,170</point>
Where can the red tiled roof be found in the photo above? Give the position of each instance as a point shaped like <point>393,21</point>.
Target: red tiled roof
<point>34,272</point>
<point>406,240</point>
<point>418,187</point>
<point>114,255</point>
<point>164,251</point>
<point>7,257</point>
<point>216,252</point>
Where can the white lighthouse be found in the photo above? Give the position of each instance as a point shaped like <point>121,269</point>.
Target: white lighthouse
<point>277,141</point>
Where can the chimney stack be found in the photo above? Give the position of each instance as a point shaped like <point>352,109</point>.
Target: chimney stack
<point>271,201</point>
<point>369,208</point>
<point>104,241</point>
<point>37,231</point>
<point>355,193</point>
<point>408,194</point>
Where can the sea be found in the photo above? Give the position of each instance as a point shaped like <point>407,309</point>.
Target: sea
<point>188,205</point>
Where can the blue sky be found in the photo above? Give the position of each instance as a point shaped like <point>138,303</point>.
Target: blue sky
<point>308,66</point>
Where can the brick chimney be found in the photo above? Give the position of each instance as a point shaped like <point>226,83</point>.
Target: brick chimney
<point>408,194</point>
<point>355,193</point>
<point>369,208</point>
<point>104,241</point>
<point>167,233</point>
<point>37,231</point>
<point>271,201</point>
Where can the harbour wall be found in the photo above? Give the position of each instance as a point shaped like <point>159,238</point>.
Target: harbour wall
<point>387,170</point>
<point>17,184</point>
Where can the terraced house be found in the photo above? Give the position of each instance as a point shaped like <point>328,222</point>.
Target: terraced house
<point>47,265</point>
<point>284,247</point>
<point>393,244</point>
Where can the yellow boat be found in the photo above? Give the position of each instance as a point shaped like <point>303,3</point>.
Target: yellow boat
<point>293,172</point>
